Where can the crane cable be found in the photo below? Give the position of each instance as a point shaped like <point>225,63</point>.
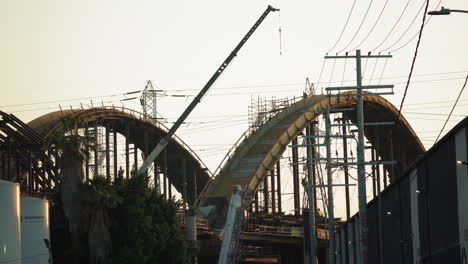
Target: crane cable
<point>279,30</point>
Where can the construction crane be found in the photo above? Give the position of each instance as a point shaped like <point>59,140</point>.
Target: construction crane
<point>165,140</point>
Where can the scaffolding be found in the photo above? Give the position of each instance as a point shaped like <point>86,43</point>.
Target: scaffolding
<point>262,109</point>
<point>239,226</point>
<point>98,155</point>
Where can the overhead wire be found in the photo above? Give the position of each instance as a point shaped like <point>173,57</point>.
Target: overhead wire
<point>272,91</point>
<point>394,26</point>
<point>373,71</point>
<point>372,29</point>
<point>365,66</point>
<point>434,107</point>
<point>407,29</point>
<point>333,70</point>
<point>451,111</point>
<point>414,60</point>
<point>383,70</point>
<point>344,28</point>
<point>344,71</point>
<point>320,75</point>
<point>359,28</point>
<point>63,100</point>
<point>433,102</point>
<point>411,39</point>
<point>434,114</point>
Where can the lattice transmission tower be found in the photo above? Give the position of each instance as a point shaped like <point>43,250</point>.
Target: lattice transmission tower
<point>148,101</point>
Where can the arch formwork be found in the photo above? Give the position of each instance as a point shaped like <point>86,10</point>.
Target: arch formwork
<point>261,150</point>
<point>145,136</point>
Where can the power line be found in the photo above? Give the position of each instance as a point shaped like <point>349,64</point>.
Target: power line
<point>359,28</point>
<point>411,39</point>
<point>433,102</point>
<point>435,114</point>
<point>302,83</point>
<point>394,26</point>
<point>372,75</point>
<point>344,71</point>
<point>455,104</point>
<point>320,75</point>
<point>414,60</point>
<point>344,28</point>
<point>434,107</point>
<point>383,70</point>
<point>407,29</point>
<point>333,70</point>
<point>236,87</point>
<point>62,100</point>
<point>372,29</point>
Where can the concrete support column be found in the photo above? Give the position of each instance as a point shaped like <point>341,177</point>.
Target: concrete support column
<point>273,198</point>
<point>107,152</point>
<point>266,197</point>
<point>295,161</point>
<point>115,152</point>
<point>127,150</point>
<point>87,155</point>
<point>278,185</point>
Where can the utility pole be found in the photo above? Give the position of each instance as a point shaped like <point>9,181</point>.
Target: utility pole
<point>331,213</point>
<point>362,197</point>
<point>329,165</point>
<point>311,195</point>
<point>361,168</point>
<point>295,160</point>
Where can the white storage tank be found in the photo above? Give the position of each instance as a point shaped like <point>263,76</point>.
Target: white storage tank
<point>34,230</point>
<point>10,228</point>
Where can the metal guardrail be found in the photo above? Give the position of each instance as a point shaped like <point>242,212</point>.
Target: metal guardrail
<point>285,230</point>
<point>250,131</point>
<point>230,152</point>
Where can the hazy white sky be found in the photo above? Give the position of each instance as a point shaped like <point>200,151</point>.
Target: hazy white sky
<point>57,50</point>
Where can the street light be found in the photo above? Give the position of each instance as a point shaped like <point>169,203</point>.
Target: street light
<point>446,11</point>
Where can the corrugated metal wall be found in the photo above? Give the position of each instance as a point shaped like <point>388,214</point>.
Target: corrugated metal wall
<point>423,215</point>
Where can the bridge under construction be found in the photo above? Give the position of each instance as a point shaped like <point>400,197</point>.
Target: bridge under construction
<point>268,232</point>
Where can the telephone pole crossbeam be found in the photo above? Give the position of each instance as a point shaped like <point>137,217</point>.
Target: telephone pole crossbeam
<point>360,57</point>
<point>342,88</point>
<point>361,95</point>
<point>362,193</point>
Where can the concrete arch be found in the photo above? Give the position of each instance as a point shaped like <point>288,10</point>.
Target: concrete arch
<point>119,119</point>
<point>260,151</point>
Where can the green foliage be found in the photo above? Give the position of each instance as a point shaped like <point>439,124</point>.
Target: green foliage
<point>69,139</point>
<point>144,227</point>
<point>59,234</point>
<point>100,193</point>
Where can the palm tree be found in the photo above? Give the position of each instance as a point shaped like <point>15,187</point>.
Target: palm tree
<point>71,146</point>
<point>100,196</point>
